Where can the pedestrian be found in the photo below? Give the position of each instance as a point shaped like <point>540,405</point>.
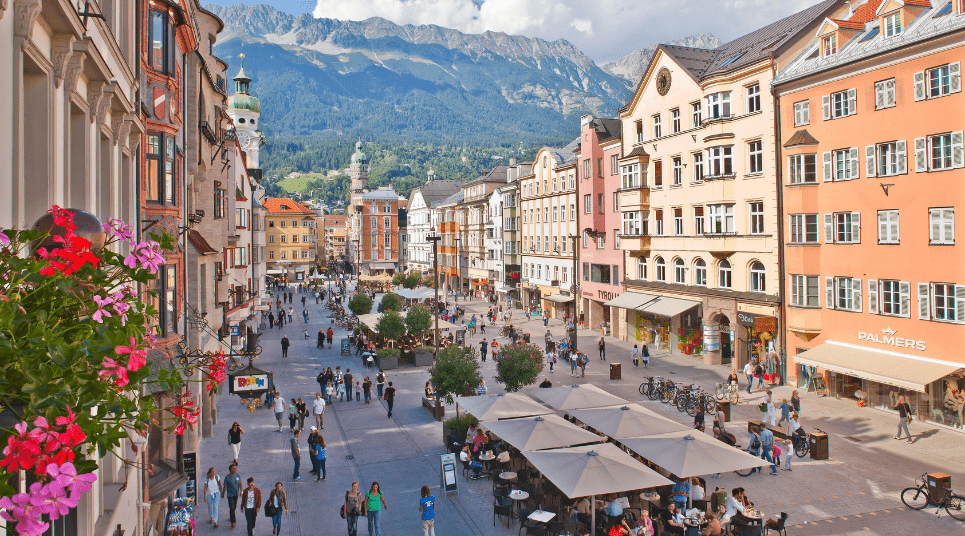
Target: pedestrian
<point>427,507</point>
<point>352,508</point>
<point>358,391</point>
<point>234,439</point>
<point>278,502</point>
<point>551,359</point>
<point>785,412</point>
<point>904,417</point>
<point>759,372</point>
<point>318,408</point>
<point>251,502</point>
<point>635,356</point>
<point>349,383</point>
<point>602,347</point>
<point>645,356</point>
<point>483,349</point>
<point>329,335</point>
<point>320,457</point>
<point>374,503</point>
<point>279,409</point>
<point>311,441</point>
<point>213,492</point>
<point>767,449</point>
<point>340,386</point>
<point>285,343</point>
<point>574,362</point>
<point>796,401</point>
<point>749,374</point>
<point>367,390</point>
<point>771,413</point>
<point>296,455</point>
<point>305,314</point>
<point>481,390</point>
<point>390,398</point>
<point>281,318</point>
<point>292,415</point>
<point>320,339</point>
<point>583,363</point>
<point>271,319</point>
<point>232,488</point>
<point>380,383</point>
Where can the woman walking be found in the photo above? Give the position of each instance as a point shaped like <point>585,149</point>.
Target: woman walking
<point>302,413</point>
<point>645,356</point>
<point>279,502</point>
<point>374,503</point>
<point>292,415</point>
<point>213,491</point>
<point>320,458</point>
<point>427,507</point>
<point>234,439</point>
<point>602,346</point>
<point>635,356</point>
<point>353,504</point>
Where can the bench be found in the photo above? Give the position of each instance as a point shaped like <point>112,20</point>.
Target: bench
<point>430,406</point>
<point>778,432</point>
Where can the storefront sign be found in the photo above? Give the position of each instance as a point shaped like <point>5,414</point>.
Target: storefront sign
<point>888,337</point>
<point>746,319</point>
<point>764,323</point>
<point>236,331</point>
<point>604,295</point>
<point>250,383</point>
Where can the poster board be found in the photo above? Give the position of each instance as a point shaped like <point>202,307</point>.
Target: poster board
<point>817,385</point>
<point>449,482</point>
<point>461,337</point>
<point>346,347</point>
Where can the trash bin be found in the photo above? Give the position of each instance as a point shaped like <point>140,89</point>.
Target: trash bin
<point>819,446</point>
<point>939,485</point>
<point>615,372</point>
<point>725,408</point>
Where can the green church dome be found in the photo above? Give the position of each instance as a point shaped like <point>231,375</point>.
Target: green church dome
<point>240,101</point>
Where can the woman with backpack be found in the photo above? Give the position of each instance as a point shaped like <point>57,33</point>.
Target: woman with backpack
<point>635,356</point>
<point>374,503</point>
<point>352,508</point>
<point>213,492</point>
<point>277,502</point>
<point>645,356</point>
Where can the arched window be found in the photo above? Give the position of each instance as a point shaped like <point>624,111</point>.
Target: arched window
<point>700,273</point>
<point>661,269</point>
<point>642,268</point>
<point>757,277</point>
<point>679,273</point>
<point>544,160</point>
<point>723,275</point>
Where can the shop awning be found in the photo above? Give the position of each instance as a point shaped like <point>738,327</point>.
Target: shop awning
<point>505,289</point>
<point>275,272</point>
<point>670,307</point>
<point>381,266</point>
<point>558,298</point>
<point>891,368</point>
<point>630,300</point>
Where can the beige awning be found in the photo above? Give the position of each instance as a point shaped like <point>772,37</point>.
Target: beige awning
<point>891,368</point>
<point>665,306</point>
<point>558,298</point>
<point>630,300</point>
<point>370,320</point>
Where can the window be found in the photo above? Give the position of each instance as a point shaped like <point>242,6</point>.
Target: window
<point>695,115</point>
<point>889,297</point>
<point>756,210</point>
<point>885,94</point>
<point>656,126</point>
<point>802,113</point>
<point>588,204</point>
<point>723,275</point>
<point>938,81</point>
<point>599,171</point>
<point>660,269</point>
<point>642,268</point>
<point>678,171</point>
<point>161,170</point>
<point>840,104</point>
<point>678,221</point>
<point>271,239</point>
<point>283,223</point>
<point>679,272</point>
<point>587,171</point>
<point>616,201</point>
<point>802,169</point>
<point>283,238</point>
<point>941,225</point>
<point>720,162</point>
<point>754,98</point>
<point>804,291</point>
<point>829,45</point>
<point>675,120</point>
<point>616,239</point>
<point>166,286</point>
<point>158,58</point>
<point>698,221</point>
<point>940,151</point>
<point>841,165</point>
<point>755,157</point>
<point>698,167</point>
<point>844,293</point>
<point>845,228</point>
<point>658,218</point>
<point>721,219</point>
<point>658,174</point>
<point>630,176</point>
<point>572,211</point>
<point>700,273</point>
<point>886,159</point>
<point>887,226</point>
<point>271,255</point>
<point>631,224</point>
<point>718,105</point>
<point>949,301</point>
<point>599,203</point>
<point>639,125</point>
<point>757,277</point>
<point>892,24</point>
<point>554,213</point>
<point>600,273</point>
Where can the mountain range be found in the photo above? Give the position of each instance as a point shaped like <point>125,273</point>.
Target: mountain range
<point>383,81</point>
<point>631,66</point>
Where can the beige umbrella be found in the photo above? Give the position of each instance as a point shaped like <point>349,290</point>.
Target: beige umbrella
<point>576,396</point>
<point>631,420</point>
<point>592,470</point>
<point>501,406</point>
<point>543,432</point>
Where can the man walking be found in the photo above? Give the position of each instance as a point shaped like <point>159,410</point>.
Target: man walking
<point>318,408</point>
<point>349,382</point>
<point>390,398</point>
<point>285,343</point>
<point>483,349</point>
<point>251,499</point>
<point>279,409</point>
<point>749,374</point>
<point>330,334</point>
<point>232,487</point>
<point>380,383</point>
<point>904,417</point>
<point>271,319</point>
<point>767,448</point>
<point>296,455</point>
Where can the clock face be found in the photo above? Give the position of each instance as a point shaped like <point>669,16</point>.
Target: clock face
<point>244,139</point>
<point>663,81</point>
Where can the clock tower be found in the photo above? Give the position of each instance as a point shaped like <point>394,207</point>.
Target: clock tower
<point>245,111</point>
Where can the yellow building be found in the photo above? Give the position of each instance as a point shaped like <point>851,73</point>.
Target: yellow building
<point>290,232</point>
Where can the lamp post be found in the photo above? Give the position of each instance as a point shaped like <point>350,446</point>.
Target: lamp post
<point>358,262</point>
<point>435,278</point>
<point>458,266</point>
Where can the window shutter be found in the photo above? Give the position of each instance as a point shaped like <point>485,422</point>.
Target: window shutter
<point>829,228</point>
<point>882,228</point>
<point>955,76</point>
<point>935,225</point>
<point>904,295</point>
<point>798,116</point>
<point>958,158</point>
<point>921,155</point>
<point>960,303</point>
<point>856,295</point>
<point>948,219</point>
<point>826,104</point>
<point>923,307</point>
<point>901,148</point>
<point>869,159</point>
<point>873,296</point>
<point>806,111</point>
<point>855,227</point>
<point>827,167</point>
<point>853,163</point>
<point>920,86</point>
<point>890,97</point>
<point>879,95</point>
<point>829,292</point>
<point>852,101</point>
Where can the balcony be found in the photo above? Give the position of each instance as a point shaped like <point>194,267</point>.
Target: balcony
<point>637,243</point>
<point>804,322</point>
<point>634,199</point>
<point>721,245</point>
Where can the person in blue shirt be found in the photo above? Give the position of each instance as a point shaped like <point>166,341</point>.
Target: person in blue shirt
<point>680,492</point>
<point>427,506</point>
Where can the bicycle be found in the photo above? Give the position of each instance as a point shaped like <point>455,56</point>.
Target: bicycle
<point>733,393</point>
<point>918,497</point>
<point>647,387</point>
<point>803,446</point>
<point>720,391</point>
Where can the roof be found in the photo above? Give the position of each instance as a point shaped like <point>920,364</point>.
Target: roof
<point>198,241</point>
<point>383,193</point>
<point>637,151</point>
<point>607,129</point>
<point>452,199</point>
<point>283,205</point>
<point>567,155</point>
<point>334,220</point>
<point>437,190</point>
<point>694,60</point>
<point>801,137</point>
<point>496,174</point>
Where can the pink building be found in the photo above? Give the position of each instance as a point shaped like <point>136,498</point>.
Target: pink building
<point>601,260</point>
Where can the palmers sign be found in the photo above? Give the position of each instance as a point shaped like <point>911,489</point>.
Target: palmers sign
<point>888,337</point>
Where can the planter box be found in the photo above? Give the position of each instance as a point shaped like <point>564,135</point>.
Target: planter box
<point>430,406</point>
<point>423,360</point>
<point>388,363</point>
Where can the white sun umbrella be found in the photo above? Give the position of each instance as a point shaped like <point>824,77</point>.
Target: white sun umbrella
<point>576,396</point>
<point>543,432</point>
<point>370,320</point>
<point>631,420</point>
<point>592,470</point>
<point>501,406</point>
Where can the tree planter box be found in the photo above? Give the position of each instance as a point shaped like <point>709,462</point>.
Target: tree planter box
<point>423,359</point>
<point>388,363</point>
<point>430,406</point>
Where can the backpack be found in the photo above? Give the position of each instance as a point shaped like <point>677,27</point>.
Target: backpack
<point>756,443</point>
<point>718,498</point>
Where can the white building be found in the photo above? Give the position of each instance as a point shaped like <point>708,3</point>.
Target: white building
<point>419,220</point>
<point>494,239</point>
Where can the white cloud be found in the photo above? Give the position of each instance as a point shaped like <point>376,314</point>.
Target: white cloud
<point>583,26</point>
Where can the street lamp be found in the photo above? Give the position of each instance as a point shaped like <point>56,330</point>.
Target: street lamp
<point>358,262</point>
<point>435,278</point>
<point>458,266</point>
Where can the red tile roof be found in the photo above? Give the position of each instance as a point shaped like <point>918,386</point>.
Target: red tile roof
<point>866,12</point>
<point>922,3</point>
<point>846,24</point>
<point>335,220</point>
<point>198,241</point>
<point>275,204</point>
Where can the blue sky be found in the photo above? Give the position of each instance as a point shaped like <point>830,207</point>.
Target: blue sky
<point>606,30</point>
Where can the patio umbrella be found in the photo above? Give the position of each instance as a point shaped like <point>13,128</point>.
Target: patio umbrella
<point>631,420</point>
<point>544,432</point>
<point>501,406</point>
<point>576,396</point>
<point>592,470</point>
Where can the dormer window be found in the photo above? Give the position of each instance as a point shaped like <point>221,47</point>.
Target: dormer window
<point>829,45</point>
<point>892,24</point>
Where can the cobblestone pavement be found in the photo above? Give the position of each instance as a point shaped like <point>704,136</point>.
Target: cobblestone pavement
<point>855,492</point>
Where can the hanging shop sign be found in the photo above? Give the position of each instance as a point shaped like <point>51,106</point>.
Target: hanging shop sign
<point>746,319</point>
<point>765,323</point>
<point>887,337</point>
<point>250,383</point>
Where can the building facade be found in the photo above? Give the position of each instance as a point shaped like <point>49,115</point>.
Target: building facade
<point>331,242</point>
<point>494,241</point>
<point>379,233</point>
<point>508,291</point>
<point>359,175</point>
<point>291,239</point>
<point>447,224</point>
<point>873,168</point>
<point>419,220</point>
<point>474,213</point>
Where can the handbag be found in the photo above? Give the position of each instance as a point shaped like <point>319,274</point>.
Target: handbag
<point>269,509</point>
<point>763,407</point>
<point>341,511</point>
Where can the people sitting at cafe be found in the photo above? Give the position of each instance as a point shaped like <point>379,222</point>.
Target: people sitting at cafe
<point>614,508</point>
<point>430,393</point>
<point>503,457</point>
<point>471,432</point>
<point>479,440</point>
<point>734,505</point>
<point>644,525</point>
<point>712,527</point>
<point>673,521</point>
<point>697,494</point>
<point>466,456</point>
<point>619,528</point>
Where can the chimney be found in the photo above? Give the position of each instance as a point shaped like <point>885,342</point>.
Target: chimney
<point>585,120</point>
<point>512,161</point>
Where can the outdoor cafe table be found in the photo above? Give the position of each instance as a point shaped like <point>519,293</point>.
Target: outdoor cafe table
<point>542,516</point>
<point>507,475</point>
<point>518,496</point>
<point>487,458</point>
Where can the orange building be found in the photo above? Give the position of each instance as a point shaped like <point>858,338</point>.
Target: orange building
<point>872,173</point>
<point>379,250</point>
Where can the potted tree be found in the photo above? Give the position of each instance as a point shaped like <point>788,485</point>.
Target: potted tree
<point>417,321</point>
<point>390,302</point>
<point>391,326</point>
<point>455,372</point>
<point>360,304</point>
<point>519,365</point>
<point>412,280</point>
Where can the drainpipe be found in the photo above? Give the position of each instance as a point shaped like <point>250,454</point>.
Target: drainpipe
<point>779,167</point>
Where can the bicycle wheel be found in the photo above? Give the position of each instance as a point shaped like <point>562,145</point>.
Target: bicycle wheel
<point>720,393</point>
<point>802,448</point>
<point>665,395</point>
<point>653,392</point>
<point>692,408</point>
<point>681,403</point>
<point>735,397</point>
<point>745,472</point>
<point>710,405</point>
<point>643,388</point>
<point>915,498</point>
<point>955,506</point>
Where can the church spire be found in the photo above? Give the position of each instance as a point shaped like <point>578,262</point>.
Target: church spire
<point>242,82</point>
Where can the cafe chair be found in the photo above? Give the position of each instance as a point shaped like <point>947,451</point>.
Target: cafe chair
<point>522,514</point>
<point>533,528</point>
<point>501,492</point>
<point>500,510</point>
<point>465,469</point>
<point>555,528</point>
<point>780,526</point>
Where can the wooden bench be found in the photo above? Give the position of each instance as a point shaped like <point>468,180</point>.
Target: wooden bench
<point>430,406</point>
<point>778,432</point>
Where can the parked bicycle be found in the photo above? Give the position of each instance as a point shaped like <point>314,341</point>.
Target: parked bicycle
<point>647,387</point>
<point>803,446</point>
<point>918,497</point>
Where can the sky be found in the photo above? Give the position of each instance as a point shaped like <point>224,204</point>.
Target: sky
<point>606,30</point>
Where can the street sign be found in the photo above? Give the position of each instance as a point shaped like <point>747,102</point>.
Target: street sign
<point>242,384</point>
<point>346,347</point>
<point>236,330</point>
<point>575,289</point>
<point>449,481</point>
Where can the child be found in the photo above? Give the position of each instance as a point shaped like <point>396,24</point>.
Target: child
<point>777,455</point>
<point>790,454</point>
<point>328,392</point>
<point>644,525</point>
<point>358,391</point>
<point>785,411</point>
